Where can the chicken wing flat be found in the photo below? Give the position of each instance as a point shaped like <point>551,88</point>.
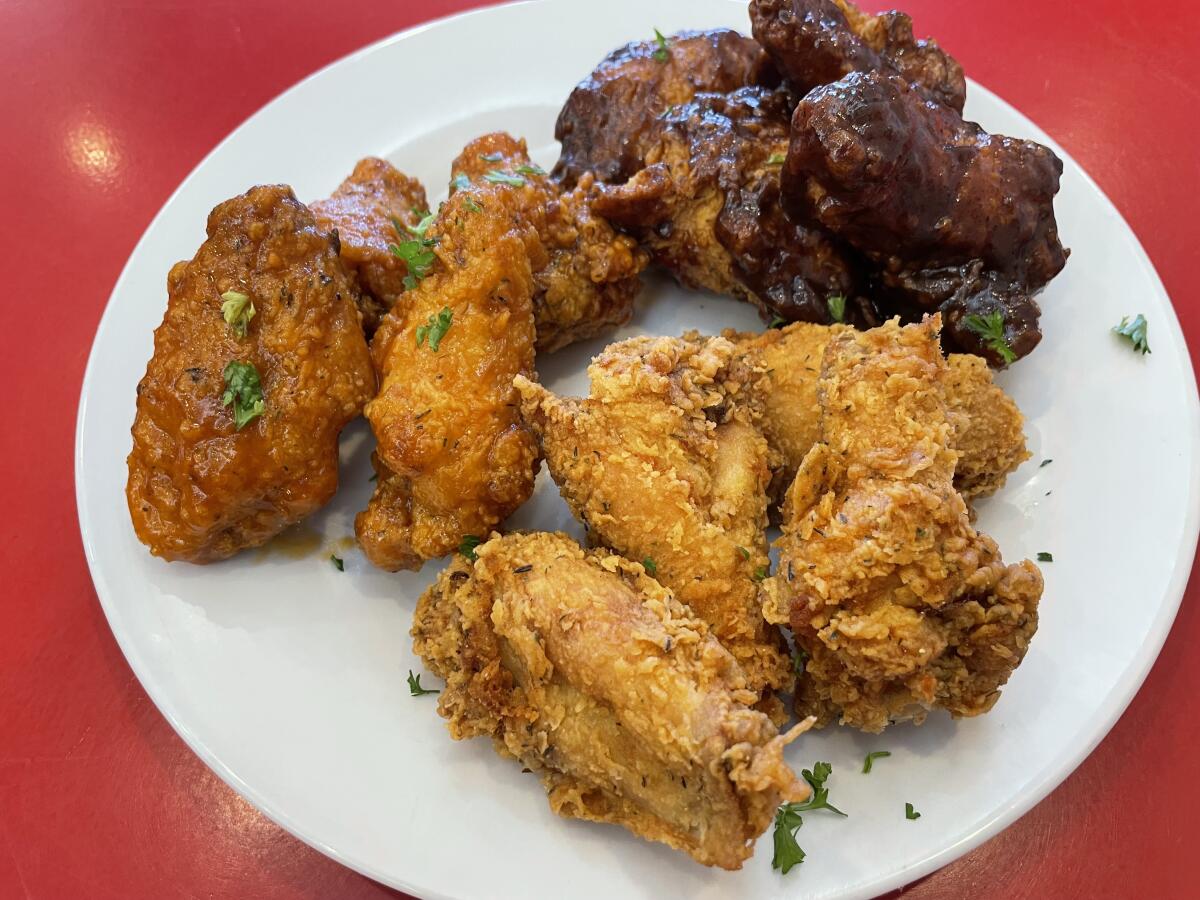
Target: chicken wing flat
<point>988,434</point>
<point>814,42</point>
<point>453,455</point>
<point>898,603</point>
<point>595,678</point>
<point>954,218</point>
<point>366,210</point>
<point>612,117</point>
<point>662,463</point>
<point>590,279</point>
<point>258,365</point>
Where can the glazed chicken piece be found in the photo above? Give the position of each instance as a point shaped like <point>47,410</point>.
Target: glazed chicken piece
<point>590,279</point>
<point>258,365</point>
<point>365,211</point>
<point>988,427</point>
<point>898,604</point>
<point>453,455</point>
<point>814,42</point>
<point>663,463</point>
<point>595,678</point>
<point>954,219</point>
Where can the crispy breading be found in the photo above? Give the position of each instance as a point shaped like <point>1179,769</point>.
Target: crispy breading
<point>663,462</point>
<point>898,603</point>
<point>365,211</point>
<point>988,427</point>
<point>199,489</point>
<point>595,678</point>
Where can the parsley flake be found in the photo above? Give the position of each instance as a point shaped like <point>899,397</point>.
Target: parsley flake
<point>776,159</point>
<point>414,685</point>
<point>777,322</point>
<point>243,391</point>
<point>495,176</point>
<point>761,573</point>
<point>871,757</point>
<point>837,307</point>
<point>417,257</point>
<point>238,310</point>
<point>435,328</point>
<point>991,329</point>
<point>467,546</point>
<point>531,169</point>
<point>337,563</point>
<point>471,205</point>
<point>1134,331</point>
<point>1045,557</point>
<point>460,182</point>
<point>744,552</point>
<point>491,157</point>
<point>910,813</point>
<point>650,566</point>
<point>423,226</point>
<point>663,51</point>
<point>798,659</point>
<point>816,780</point>
<point>1045,462</point>
<point>788,819</point>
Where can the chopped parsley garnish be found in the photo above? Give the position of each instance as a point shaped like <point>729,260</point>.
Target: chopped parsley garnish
<point>435,328</point>
<point>417,256</point>
<point>1134,331</point>
<point>238,310</point>
<point>471,205</point>
<point>837,307</point>
<point>663,52</point>
<point>776,159</point>
<point>745,553</point>
<point>467,546</point>
<point>798,659</point>
<point>460,182</point>
<point>531,169</point>
<point>243,391</point>
<point>991,329</point>
<point>910,813</point>
<point>788,819</point>
<point>423,226</point>
<point>760,573</point>
<point>650,566</point>
<point>374,476</point>
<point>1045,462</point>
<point>414,685</point>
<point>777,322</point>
<point>495,176</point>
<point>337,563</point>
<point>871,757</point>
<point>491,157</point>
<point>1045,557</point>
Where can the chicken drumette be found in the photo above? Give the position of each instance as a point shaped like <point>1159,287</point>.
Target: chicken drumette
<point>594,677</point>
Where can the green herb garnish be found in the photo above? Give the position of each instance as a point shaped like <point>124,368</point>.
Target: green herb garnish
<point>238,310</point>
<point>650,566</point>
<point>337,563</point>
<point>663,52</point>
<point>460,182</point>
<point>1045,557</point>
<point>777,322</point>
<point>1134,331</point>
<point>491,157</point>
<point>871,757</point>
<point>991,329</point>
<point>910,813</point>
<point>243,391</point>
<point>788,819</point>
<point>467,546</point>
<point>414,685</point>
<point>745,553</point>
<point>1045,462</point>
<point>417,257</point>
<point>531,169</point>
<point>776,159</point>
<point>761,573</point>
<point>435,329</point>
<point>495,176</point>
<point>423,226</point>
<point>798,659</point>
<point>837,307</point>
<point>471,205</point>
<point>816,779</point>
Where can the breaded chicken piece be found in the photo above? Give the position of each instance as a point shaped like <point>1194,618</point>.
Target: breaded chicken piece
<point>458,459</point>
<point>200,487</point>
<point>898,603</point>
<point>594,677</point>
<point>590,279</point>
<point>663,463</point>
<point>365,210</point>
<point>988,427</point>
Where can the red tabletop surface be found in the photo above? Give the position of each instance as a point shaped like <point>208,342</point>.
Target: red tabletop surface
<point>106,106</point>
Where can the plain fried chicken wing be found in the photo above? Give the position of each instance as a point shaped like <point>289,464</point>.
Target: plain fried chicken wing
<point>988,427</point>
<point>898,603</point>
<point>663,463</point>
<point>595,678</point>
<point>200,488</point>
<point>453,456</point>
<point>366,210</point>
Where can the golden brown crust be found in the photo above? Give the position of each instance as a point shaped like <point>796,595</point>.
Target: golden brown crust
<point>199,489</point>
<point>595,678</point>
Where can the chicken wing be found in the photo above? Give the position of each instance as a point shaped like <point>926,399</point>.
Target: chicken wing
<point>258,365</point>
<point>663,463</point>
<point>898,603</point>
<point>988,427</point>
<point>594,677</point>
<point>453,454</point>
<point>366,210</point>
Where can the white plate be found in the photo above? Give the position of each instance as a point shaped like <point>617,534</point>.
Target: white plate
<point>288,677</point>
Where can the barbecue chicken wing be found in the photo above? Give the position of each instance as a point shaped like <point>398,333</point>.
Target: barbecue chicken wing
<point>594,677</point>
<point>258,365</point>
<point>663,463</point>
<point>372,211</point>
<point>899,605</point>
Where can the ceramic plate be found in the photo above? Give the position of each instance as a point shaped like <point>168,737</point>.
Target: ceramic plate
<point>288,677</point>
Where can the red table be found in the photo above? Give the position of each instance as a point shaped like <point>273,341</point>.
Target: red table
<point>107,106</point>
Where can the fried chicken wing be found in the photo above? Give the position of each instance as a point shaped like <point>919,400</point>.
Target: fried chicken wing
<point>954,218</point>
<point>594,677</point>
<point>590,279</point>
<point>202,487</point>
<point>453,454</point>
<point>663,463</point>
<point>988,427</point>
<point>365,211</point>
<point>898,603</point>
<point>814,42</point>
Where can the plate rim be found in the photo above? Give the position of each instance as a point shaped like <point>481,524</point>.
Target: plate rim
<point>1040,787</point>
